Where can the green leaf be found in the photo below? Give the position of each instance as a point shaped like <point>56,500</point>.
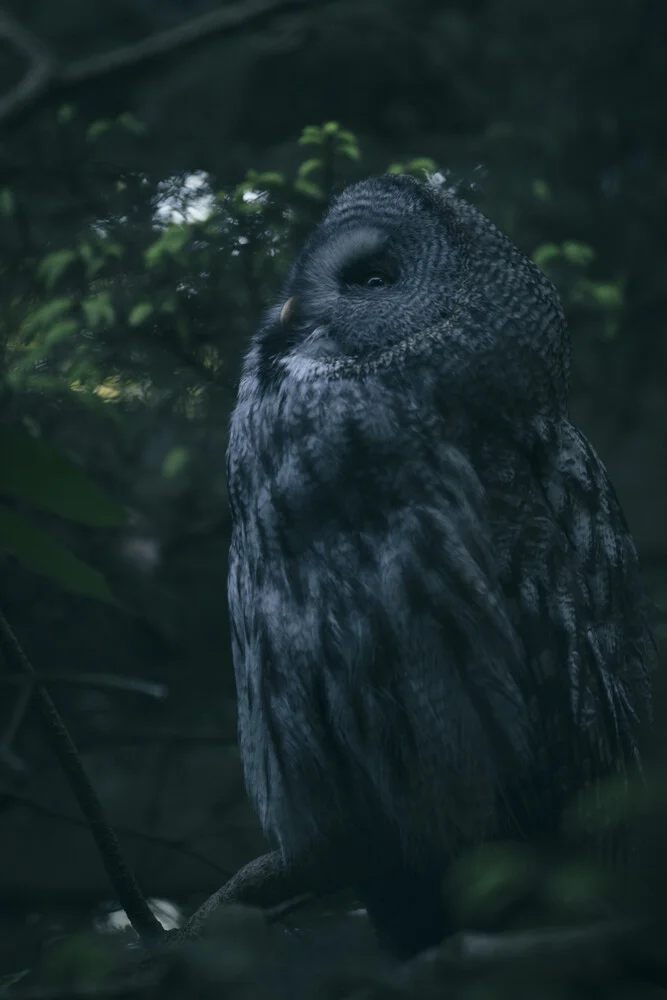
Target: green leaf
<point>43,317</point>
<point>349,150</point>
<point>330,128</point>
<point>308,189</point>
<point>99,310</point>
<point>545,253</point>
<point>541,190</point>
<point>271,178</point>
<point>79,964</point>
<point>36,473</point>
<point>131,123</point>
<point>168,244</point>
<point>140,313</point>
<point>41,553</point>
<point>97,129</point>
<point>308,166</point>
<point>6,203</point>
<point>396,168</point>
<point>575,887</point>
<point>609,296</point>
<point>65,113</point>
<point>311,136</point>
<point>113,249</point>
<point>60,331</point>
<point>488,880</point>
<point>94,262</point>
<point>606,295</point>
<point>422,163</point>
<point>579,254</point>
<point>175,462</point>
<point>54,265</point>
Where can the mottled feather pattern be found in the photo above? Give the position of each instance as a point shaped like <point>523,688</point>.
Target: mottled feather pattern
<point>438,624</point>
<point>367,587</point>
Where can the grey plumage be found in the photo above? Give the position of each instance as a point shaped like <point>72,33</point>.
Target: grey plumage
<point>439,630</point>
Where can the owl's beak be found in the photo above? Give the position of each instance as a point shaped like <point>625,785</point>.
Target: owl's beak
<point>287,311</point>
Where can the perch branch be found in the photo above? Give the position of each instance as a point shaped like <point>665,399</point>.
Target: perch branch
<point>591,953</point>
<point>46,74</point>
<point>269,883</point>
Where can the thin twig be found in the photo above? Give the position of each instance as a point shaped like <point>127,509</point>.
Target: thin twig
<point>47,75</point>
<point>133,684</point>
<point>41,66</point>
<point>177,846</point>
<point>156,738</point>
<point>122,879</point>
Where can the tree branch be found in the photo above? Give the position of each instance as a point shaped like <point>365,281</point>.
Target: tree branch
<point>41,67</point>
<point>125,885</point>
<point>267,882</point>
<point>592,953</point>
<point>46,74</point>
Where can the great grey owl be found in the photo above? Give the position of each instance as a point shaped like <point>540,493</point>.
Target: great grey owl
<point>439,631</point>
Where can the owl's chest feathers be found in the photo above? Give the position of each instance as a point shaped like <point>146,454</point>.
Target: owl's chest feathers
<point>339,455</point>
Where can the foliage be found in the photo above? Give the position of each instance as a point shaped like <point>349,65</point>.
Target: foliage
<point>141,292</point>
<point>35,474</point>
<point>131,282</point>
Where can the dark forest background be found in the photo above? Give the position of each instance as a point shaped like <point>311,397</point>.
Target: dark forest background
<point>159,163</point>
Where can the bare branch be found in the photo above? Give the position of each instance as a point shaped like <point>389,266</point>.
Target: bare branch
<point>592,953</point>
<point>41,67</point>
<point>224,19</point>
<point>177,845</point>
<point>45,73</point>
<point>136,685</point>
<point>125,885</point>
<point>270,883</point>
<point>19,711</point>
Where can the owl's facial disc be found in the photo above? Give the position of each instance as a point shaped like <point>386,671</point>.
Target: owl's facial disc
<point>372,275</point>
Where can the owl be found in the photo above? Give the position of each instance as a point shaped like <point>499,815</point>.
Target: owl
<point>439,630</point>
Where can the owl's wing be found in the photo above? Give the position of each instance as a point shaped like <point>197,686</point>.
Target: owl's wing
<point>573,581</point>
<point>375,659</point>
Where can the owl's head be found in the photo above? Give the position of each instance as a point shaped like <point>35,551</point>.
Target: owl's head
<point>403,271</point>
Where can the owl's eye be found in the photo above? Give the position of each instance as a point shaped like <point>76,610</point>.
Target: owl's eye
<point>369,274</point>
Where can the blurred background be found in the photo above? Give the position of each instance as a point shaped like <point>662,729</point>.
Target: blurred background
<point>160,160</point>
